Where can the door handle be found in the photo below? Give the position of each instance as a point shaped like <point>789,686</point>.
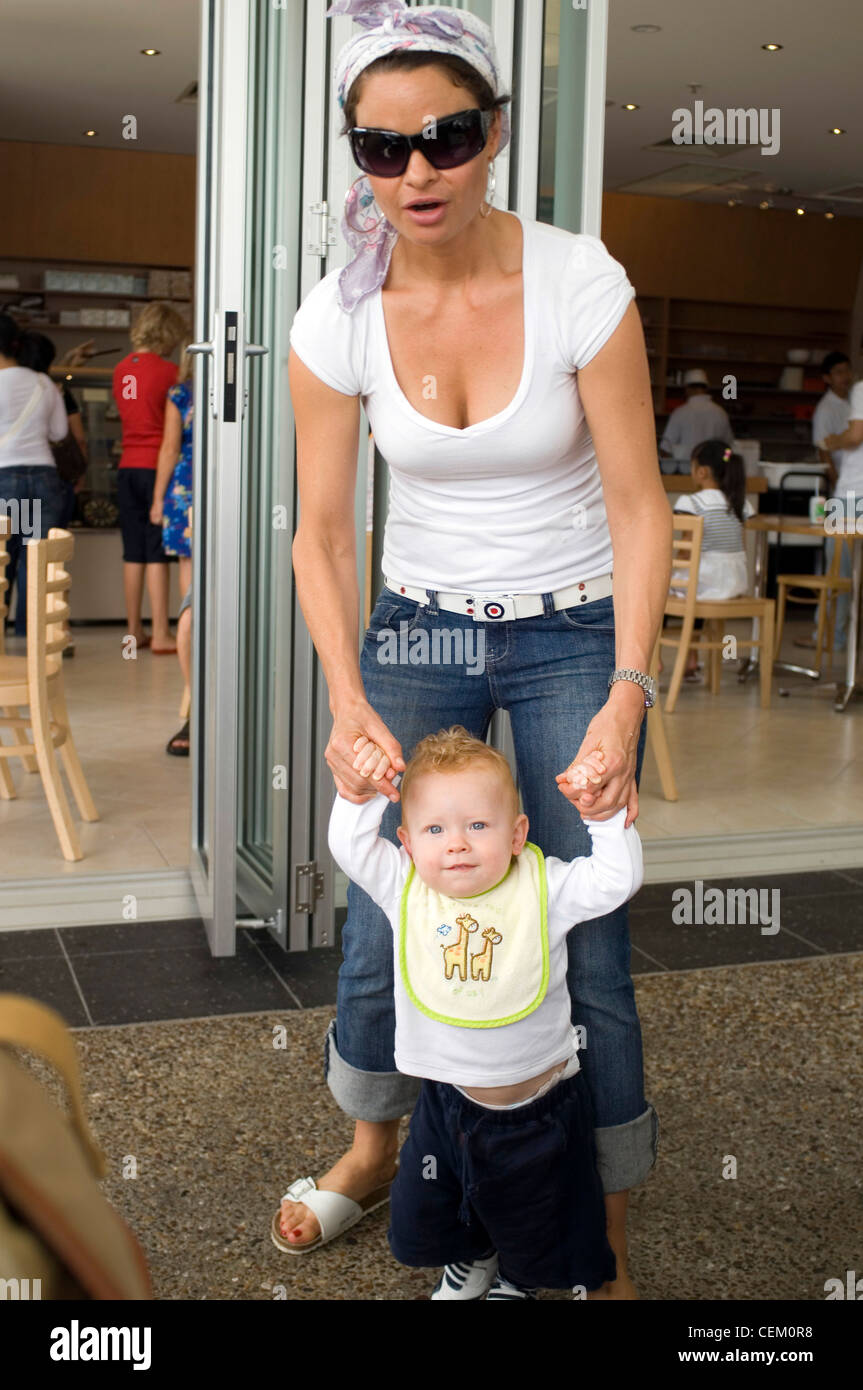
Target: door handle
<point>253,350</point>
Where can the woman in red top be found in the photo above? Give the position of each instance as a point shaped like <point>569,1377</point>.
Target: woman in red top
<point>141,384</point>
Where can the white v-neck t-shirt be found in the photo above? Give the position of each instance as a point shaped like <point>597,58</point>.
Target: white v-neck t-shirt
<point>512,504</point>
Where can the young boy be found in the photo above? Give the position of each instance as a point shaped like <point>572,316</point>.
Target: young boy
<point>497,1179</point>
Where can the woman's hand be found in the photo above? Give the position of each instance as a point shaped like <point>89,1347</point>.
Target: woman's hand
<point>362,754</point>
<point>613,732</point>
<point>156,511</point>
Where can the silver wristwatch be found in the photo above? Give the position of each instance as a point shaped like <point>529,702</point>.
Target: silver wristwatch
<point>647,683</point>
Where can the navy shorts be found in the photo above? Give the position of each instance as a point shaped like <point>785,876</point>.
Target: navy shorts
<point>142,541</point>
<point>522,1182</point>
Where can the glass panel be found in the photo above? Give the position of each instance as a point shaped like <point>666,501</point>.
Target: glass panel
<point>273,231</point>
<point>561,161</point>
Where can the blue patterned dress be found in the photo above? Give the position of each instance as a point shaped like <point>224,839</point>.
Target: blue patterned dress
<point>178,497</point>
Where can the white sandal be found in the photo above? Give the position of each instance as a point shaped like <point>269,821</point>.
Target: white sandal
<point>336,1213</point>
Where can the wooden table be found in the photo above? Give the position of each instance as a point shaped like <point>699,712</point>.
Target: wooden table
<point>763,524</point>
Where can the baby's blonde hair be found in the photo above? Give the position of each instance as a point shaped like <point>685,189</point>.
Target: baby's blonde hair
<point>453,750</point>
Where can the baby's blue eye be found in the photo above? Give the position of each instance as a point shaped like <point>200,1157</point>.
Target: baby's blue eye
<point>433,828</point>
<point>478,825</point>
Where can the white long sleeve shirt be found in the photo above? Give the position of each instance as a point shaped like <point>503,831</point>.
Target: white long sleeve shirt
<point>588,887</point>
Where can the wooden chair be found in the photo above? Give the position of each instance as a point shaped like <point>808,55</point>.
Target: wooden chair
<point>657,740</point>
<point>820,589</point>
<point>686,556</point>
<point>35,681</point>
<point>5,528</point>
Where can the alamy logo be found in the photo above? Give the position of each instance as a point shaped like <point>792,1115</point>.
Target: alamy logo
<point>852,1287</point>
<point>717,907</point>
<point>735,126</point>
<point>77,1343</point>
<point>20,1290</point>
<point>439,647</point>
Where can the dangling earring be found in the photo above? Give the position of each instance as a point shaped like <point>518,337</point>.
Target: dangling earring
<point>363,231</point>
<point>490,190</point>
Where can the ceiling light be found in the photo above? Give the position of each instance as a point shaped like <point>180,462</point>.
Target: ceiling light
<point>801,212</point>
<point>631,106</point>
<point>837,130</point>
<point>829,216</point>
<point>764,206</point>
<point>732,202</point>
<point>771,47</point>
<point>91,132</point>
<point>646,28</point>
<point>151,52</point>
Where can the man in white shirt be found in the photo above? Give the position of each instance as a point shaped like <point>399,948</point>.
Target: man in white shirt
<point>698,419</point>
<point>847,446</point>
<point>831,412</point>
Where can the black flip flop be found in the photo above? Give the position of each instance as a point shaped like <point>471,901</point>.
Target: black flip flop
<point>172,745</point>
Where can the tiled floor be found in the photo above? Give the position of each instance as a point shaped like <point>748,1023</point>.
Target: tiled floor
<point>796,766</point>
<point>140,972</point>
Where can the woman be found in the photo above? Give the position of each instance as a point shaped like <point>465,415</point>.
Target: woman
<point>32,417</point>
<point>141,384</point>
<point>172,499</point>
<point>479,342</point>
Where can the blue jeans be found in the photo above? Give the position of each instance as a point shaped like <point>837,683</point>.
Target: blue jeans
<point>38,501</point>
<point>551,674</point>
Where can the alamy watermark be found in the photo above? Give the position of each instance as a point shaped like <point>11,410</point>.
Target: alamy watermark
<point>734,126</point>
<point>726,907</point>
<point>25,518</point>
<point>441,646</point>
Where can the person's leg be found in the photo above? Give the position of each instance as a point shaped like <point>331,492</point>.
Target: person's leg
<point>184,644</point>
<point>184,566</point>
<point>133,592</point>
<point>134,552</point>
<point>413,699</point>
<point>158,587</point>
<point>553,680</point>
<point>43,501</point>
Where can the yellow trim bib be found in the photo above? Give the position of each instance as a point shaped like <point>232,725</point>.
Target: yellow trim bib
<point>477,962</point>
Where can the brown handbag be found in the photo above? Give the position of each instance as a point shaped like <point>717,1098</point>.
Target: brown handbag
<point>59,1236</point>
<point>71,463</point>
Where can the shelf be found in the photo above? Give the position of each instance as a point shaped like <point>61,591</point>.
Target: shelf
<point>747,361</point>
<point>751,332</point>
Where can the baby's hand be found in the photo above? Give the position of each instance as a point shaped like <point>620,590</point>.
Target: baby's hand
<point>371,760</point>
<point>589,771</point>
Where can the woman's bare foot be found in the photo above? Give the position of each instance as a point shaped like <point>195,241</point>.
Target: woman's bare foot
<point>363,1168</point>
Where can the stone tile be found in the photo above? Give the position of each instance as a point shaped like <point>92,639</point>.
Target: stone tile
<point>311,975</point>
<point>130,986</point>
<point>29,945</point>
<point>47,979</point>
<point>680,947</point>
<point>132,936</point>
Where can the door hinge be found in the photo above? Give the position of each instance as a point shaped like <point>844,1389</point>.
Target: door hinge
<point>322,230</point>
<point>308,886</point>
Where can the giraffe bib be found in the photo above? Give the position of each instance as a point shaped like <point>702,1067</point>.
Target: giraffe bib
<point>482,961</point>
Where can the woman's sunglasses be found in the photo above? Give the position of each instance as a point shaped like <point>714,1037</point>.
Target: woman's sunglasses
<point>448,143</point>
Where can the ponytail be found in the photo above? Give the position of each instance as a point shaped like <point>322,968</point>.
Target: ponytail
<point>727,469</point>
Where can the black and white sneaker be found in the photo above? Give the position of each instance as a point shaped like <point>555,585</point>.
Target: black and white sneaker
<point>502,1291</point>
<point>467,1281</point>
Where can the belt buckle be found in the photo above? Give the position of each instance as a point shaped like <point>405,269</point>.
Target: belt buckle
<point>493,610</point>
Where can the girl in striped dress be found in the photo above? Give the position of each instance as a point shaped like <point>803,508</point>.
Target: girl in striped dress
<point>723,573</point>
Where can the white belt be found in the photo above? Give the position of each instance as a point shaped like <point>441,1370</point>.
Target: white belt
<point>495,608</point>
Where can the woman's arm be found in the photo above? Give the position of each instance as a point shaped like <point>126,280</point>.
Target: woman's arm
<point>615,392</point>
<point>169,452</point>
<point>324,554</point>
